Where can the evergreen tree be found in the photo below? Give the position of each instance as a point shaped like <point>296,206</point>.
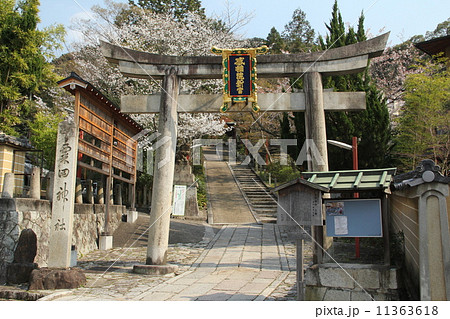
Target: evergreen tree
<point>274,41</point>
<point>371,126</point>
<point>298,34</point>
<point>24,70</point>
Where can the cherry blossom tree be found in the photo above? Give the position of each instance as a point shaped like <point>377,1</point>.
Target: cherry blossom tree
<point>144,30</point>
<point>390,70</point>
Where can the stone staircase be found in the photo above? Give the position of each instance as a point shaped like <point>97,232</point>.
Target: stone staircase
<point>262,203</point>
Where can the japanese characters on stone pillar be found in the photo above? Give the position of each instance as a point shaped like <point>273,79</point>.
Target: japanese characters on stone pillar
<point>63,196</point>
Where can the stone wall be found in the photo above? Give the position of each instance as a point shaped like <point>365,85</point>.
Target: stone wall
<point>351,282</point>
<point>24,213</point>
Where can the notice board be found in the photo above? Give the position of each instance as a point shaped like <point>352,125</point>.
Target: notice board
<point>179,200</point>
<point>353,218</point>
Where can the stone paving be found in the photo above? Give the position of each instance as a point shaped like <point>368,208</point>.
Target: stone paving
<point>242,262</point>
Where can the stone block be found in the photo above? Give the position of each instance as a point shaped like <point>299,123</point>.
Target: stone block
<point>336,277</point>
<point>73,258</point>
<point>47,278</point>
<point>19,273</point>
<point>360,296</point>
<point>132,216</point>
<point>315,293</point>
<point>105,242</point>
<point>367,278</point>
<point>391,279</point>
<point>337,295</point>
<point>26,247</point>
<point>155,270</point>
<point>312,277</point>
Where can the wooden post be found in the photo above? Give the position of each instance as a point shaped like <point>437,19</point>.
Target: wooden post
<point>132,195</point>
<point>107,206</point>
<point>300,274</point>
<point>89,191</point>
<point>158,236</point>
<point>385,223</point>
<point>78,192</point>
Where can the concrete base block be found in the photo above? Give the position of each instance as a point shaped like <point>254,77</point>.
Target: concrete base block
<point>105,242</point>
<point>73,258</point>
<point>132,216</point>
<point>154,270</point>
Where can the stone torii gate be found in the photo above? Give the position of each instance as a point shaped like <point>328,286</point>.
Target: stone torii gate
<point>172,69</point>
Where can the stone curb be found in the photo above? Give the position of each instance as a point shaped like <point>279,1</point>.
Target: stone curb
<point>266,293</point>
<point>56,295</point>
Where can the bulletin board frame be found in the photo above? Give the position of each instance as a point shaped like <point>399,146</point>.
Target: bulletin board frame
<point>353,218</point>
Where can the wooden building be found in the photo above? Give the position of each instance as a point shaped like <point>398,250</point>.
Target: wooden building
<point>107,149</point>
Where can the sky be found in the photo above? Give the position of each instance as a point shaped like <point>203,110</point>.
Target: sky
<point>403,18</point>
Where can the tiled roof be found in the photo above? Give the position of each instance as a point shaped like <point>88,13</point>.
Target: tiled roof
<point>15,141</point>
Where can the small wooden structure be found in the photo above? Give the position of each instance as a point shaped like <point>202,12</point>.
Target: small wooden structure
<point>12,159</point>
<point>106,144</point>
<point>300,203</point>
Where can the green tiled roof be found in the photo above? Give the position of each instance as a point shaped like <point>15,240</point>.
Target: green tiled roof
<point>354,180</point>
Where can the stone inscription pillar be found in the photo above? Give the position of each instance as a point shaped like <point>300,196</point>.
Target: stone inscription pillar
<point>158,236</point>
<point>63,196</point>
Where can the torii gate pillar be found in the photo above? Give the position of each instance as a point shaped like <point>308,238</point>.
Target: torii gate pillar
<point>315,119</point>
<point>158,234</point>
<point>316,131</point>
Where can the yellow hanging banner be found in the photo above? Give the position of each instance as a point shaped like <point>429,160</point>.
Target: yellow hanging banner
<point>239,76</point>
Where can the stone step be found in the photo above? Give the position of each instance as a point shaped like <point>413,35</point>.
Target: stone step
<point>251,183</point>
<point>262,196</point>
<point>265,203</point>
<point>266,220</point>
<point>261,211</point>
<point>262,202</point>
<point>260,193</point>
<point>265,209</point>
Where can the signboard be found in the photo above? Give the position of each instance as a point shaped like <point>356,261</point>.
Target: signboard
<point>179,200</point>
<point>239,76</point>
<point>299,205</point>
<point>353,218</point>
